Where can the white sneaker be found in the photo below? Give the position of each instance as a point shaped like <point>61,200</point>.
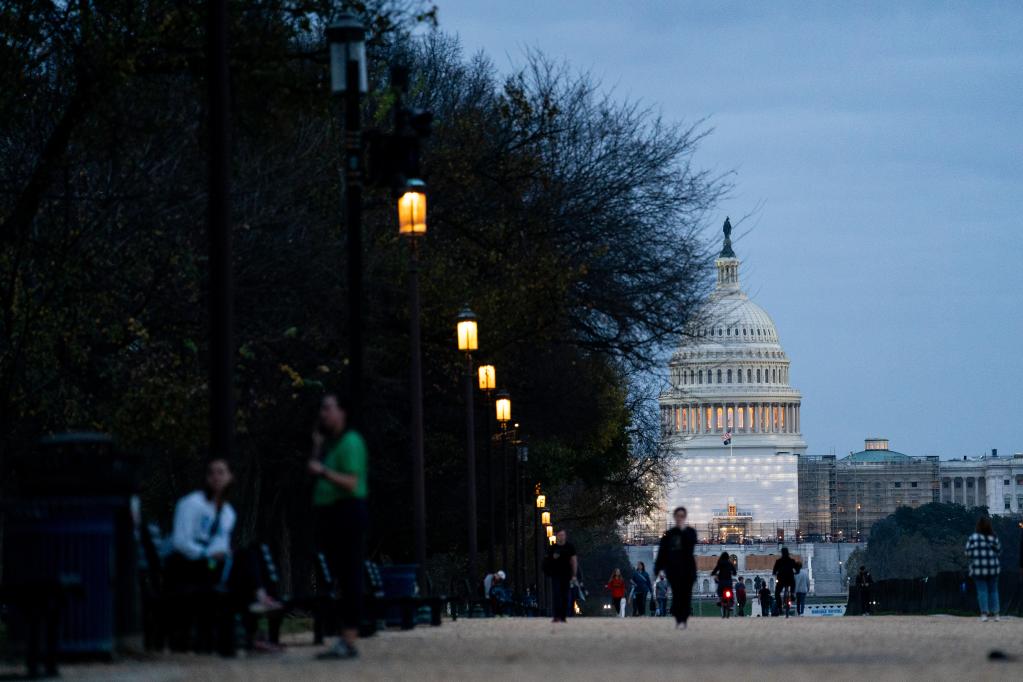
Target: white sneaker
<point>983,618</point>
<point>998,618</point>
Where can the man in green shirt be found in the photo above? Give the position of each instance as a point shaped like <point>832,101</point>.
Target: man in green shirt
<point>339,462</point>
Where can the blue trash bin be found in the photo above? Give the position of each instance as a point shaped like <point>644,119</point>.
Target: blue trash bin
<point>399,581</point>
<point>71,518</point>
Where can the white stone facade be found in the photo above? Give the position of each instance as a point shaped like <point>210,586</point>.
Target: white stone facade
<point>731,376</point>
<point>992,481</point>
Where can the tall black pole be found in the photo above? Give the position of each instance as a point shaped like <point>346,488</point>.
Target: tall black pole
<point>538,551</point>
<point>353,225</point>
<point>505,517</point>
<point>470,473</point>
<point>416,387</point>
<point>517,523</point>
<point>520,558</point>
<point>488,472</point>
<point>221,281</point>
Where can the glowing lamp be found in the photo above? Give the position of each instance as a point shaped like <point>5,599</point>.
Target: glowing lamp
<point>412,209</point>
<point>467,339</point>
<point>503,406</point>
<point>541,501</point>
<point>488,377</point>
<point>550,531</point>
<point>545,518</point>
<point>552,540</point>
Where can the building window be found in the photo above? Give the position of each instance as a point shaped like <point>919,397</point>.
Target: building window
<point>1006,482</point>
<point>969,483</point>
<point>710,419</point>
<point>719,376</point>
<point>758,377</point>
<point>898,484</point>
<point>729,376</point>
<point>731,419</point>
<point>1008,503</point>
<point>721,418</point>
<point>1019,479</point>
<point>749,376</point>
<point>944,484</point>
<point>740,415</point>
<point>738,374</point>
<point>701,376</point>
<point>913,485</point>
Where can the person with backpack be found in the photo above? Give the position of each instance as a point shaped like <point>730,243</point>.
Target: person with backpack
<point>984,552</point>
<point>641,588</point>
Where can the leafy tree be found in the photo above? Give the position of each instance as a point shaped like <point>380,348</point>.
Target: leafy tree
<point>567,220</point>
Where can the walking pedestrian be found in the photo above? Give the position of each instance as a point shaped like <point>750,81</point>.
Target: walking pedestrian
<point>616,584</point>
<point>661,593</point>
<point>675,558</point>
<point>339,462</point>
<point>641,587</point>
<point>984,552</point>
<point>863,583</point>
<point>785,579</point>
<point>802,587</point>
<point>764,594</point>
<point>740,597</point>
<point>724,571</point>
<point>561,566</point>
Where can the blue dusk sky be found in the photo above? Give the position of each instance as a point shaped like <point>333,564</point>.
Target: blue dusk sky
<point>879,149</point>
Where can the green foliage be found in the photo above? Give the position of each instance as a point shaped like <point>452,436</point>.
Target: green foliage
<point>567,220</point>
<point>923,541</point>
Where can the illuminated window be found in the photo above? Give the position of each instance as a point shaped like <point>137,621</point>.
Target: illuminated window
<point>749,416</point>
<point>720,414</point>
<point>710,419</point>
<point>783,419</point>
<point>731,418</point>
<point>685,421</point>
<point>739,416</point>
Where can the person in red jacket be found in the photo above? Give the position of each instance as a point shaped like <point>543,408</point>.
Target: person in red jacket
<point>617,586</point>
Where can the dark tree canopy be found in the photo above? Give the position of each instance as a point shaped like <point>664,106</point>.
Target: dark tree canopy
<point>567,219</point>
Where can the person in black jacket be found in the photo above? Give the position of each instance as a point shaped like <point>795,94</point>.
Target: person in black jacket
<point>675,558</point>
<point>785,575</point>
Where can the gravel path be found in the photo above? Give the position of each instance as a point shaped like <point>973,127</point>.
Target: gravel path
<point>821,649</point>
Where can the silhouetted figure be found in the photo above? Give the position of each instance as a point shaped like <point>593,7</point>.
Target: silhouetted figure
<point>675,558</point>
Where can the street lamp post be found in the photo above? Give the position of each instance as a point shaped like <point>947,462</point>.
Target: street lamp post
<point>542,517</point>
<point>348,80</point>
<point>221,281</point>
<point>502,405</point>
<point>468,341</point>
<point>521,460</point>
<point>412,224</point>
<point>487,383</point>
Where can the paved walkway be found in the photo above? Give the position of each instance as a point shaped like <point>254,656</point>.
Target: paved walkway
<point>867,649</point>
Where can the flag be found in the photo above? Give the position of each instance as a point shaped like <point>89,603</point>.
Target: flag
<point>727,438</point>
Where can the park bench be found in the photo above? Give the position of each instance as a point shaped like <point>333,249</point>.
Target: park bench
<point>40,604</point>
<point>408,605</point>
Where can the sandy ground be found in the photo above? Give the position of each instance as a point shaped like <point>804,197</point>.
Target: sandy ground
<point>823,649</point>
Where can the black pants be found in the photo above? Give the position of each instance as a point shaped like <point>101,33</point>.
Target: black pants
<point>864,600</point>
<point>780,599</point>
<point>617,601</point>
<point>341,536</point>
<point>640,602</point>
<point>561,595</point>
<point>682,596</point>
<point>199,614</point>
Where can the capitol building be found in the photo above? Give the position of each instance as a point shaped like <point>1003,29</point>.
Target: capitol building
<point>731,420</point>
